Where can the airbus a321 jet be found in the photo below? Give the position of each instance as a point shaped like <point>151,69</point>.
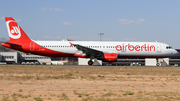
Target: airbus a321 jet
<point>105,51</point>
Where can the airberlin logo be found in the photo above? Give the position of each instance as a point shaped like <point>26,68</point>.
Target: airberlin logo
<point>13,29</point>
<point>144,47</point>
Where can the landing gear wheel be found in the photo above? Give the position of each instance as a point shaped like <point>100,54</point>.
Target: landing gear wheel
<point>157,64</point>
<point>90,62</point>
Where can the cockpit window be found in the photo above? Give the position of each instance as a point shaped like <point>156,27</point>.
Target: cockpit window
<point>169,47</point>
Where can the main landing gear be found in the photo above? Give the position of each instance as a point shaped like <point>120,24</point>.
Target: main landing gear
<point>90,62</point>
<point>157,62</point>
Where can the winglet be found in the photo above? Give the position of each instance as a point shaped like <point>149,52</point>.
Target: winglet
<point>71,44</point>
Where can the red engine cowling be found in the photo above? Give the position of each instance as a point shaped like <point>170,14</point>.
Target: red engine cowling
<point>110,57</point>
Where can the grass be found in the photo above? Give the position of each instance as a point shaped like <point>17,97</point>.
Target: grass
<point>108,94</point>
<point>94,75</point>
<point>5,99</point>
<point>19,95</point>
<point>104,99</point>
<point>128,93</point>
<point>140,92</point>
<point>90,73</point>
<point>38,99</point>
<point>64,97</point>
<point>69,75</point>
<point>20,90</point>
<point>80,94</point>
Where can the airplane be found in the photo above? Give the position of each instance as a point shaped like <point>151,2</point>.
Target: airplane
<point>105,51</point>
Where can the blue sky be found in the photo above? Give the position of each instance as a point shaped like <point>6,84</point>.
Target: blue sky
<point>81,20</point>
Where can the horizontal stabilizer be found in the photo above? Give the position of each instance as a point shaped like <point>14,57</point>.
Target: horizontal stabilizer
<point>12,44</point>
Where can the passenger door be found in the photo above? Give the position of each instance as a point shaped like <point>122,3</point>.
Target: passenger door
<point>32,45</point>
<point>158,47</point>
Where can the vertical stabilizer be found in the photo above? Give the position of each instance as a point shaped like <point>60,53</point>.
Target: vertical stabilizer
<point>16,34</point>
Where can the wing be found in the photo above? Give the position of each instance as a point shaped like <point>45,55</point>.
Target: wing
<point>87,50</point>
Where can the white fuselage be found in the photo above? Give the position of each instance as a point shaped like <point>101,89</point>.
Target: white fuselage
<point>149,49</point>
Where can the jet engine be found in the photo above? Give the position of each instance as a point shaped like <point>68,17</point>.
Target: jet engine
<point>110,57</point>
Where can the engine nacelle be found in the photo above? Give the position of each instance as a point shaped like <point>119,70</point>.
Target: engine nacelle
<point>110,57</point>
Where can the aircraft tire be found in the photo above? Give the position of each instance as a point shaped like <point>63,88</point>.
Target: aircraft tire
<point>157,64</point>
<point>90,62</point>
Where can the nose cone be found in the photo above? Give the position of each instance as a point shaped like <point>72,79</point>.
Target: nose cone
<point>175,52</point>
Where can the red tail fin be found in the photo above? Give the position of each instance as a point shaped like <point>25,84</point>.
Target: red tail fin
<point>16,34</point>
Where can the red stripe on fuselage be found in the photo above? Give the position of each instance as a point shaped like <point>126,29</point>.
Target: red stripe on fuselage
<point>39,50</point>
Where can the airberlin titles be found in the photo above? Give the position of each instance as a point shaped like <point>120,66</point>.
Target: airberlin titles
<point>144,47</point>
